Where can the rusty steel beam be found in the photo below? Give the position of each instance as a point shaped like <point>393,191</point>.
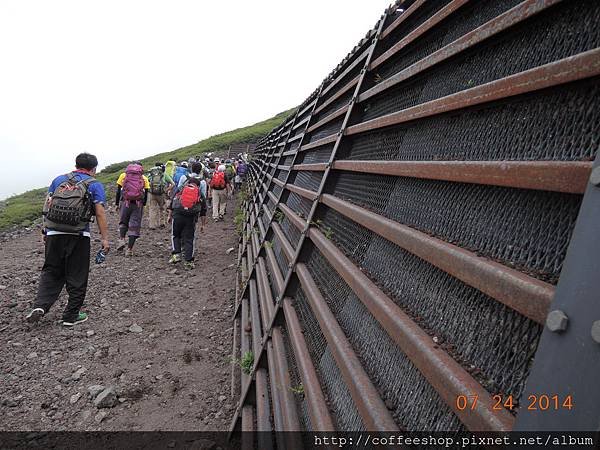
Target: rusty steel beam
<point>247,427</point>
<point>319,143</point>
<point>574,68</point>
<point>447,376</point>
<point>278,182</point>
<point>293,152</point>
<point>346,71</point>
<point>272,196</point>
<point>292,139</point>
<point>524,294</point>
<point>320,418</point>
<point>286,247</point>
<point>405,15</point>
<point>263,414</point>
<point>282,375</point>
<point>369,404</point>
<point>318,167</point>
<point>317,406</point>
<point>308,106</point>
<point>334,115</point>
<point>557,176</point>
<point>341,91</point>
<point>302,122</point>
<point>438,17</point>
<point>294,218</point>
<point>311,195</point>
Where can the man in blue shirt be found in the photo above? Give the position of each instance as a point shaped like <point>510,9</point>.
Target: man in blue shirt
<point>67,253</point>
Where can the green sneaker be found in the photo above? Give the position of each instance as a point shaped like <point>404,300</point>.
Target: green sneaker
<point>81,318</point>
<point>189,265</point>
<point>175,258</point>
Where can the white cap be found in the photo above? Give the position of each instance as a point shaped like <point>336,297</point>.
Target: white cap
<point>221,168</point>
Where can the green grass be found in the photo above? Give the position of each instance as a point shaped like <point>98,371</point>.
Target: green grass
<point>24,209</point>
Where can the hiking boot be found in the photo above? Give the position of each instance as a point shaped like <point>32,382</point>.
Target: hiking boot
<point>128,252</point>
<point>35,315</point>
<point>82,317</point>
<point>220,216</point>
<point>189,265</point>
<point>175,258</point>
<point>122,244</point>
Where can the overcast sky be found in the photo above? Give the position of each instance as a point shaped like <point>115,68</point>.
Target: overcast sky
<point>126,79</point>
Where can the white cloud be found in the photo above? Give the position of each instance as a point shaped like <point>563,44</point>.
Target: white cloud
<point>126,79</point>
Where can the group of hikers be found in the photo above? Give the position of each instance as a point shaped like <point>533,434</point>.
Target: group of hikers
<point>176,193</point>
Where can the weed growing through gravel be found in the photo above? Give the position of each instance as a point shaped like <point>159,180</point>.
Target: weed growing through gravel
<point>298,390</point>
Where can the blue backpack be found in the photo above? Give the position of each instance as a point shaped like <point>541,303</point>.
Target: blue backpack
<point>179,172</point>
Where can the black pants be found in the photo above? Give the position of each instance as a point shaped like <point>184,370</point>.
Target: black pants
<point>184,231</point>
<point>67,262</point>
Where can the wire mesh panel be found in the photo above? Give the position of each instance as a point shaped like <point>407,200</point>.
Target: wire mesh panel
<point>415,404</point>
<point>525,231</point>
<point>337,395</point>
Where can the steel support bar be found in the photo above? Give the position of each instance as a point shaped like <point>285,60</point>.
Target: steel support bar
<point>334,115</point>
<point>578,67</point>
<point>349,85</point>
<point>558,176</point>
<point>524,294</point>
<point>438,17</point>
<point>499,24</point>
<point>318,143</point>
<point>371,407</point>
<point>263,414</point>
<point>317,405</point>
<point>311,195</point>
<point>567,363</point>
<point>365,54</point>
<point>283,385</point>
<point>405,15</point>
<point>447,376</point>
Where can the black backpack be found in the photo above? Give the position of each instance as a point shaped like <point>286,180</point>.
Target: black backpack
<point>70,208</point>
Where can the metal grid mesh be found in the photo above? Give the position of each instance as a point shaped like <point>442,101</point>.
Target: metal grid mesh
<point>296,383</point>
<point>466,19</point>
<point>282,261</point>
<point>557,124</point>
<point>415,405</point>
<point>291,232</point>
<point>526,229</point>
<point>308,180</point>
<point>493,342</point>
<point>287,160</point>
<point>299,205</point>
<point>281,175</point>
<point>326,130</point>
<point>294,145</point>
<point>276,189</point>
<point>554,34</point>
<point>337,395</point>
<point>337,104</point>
<point>318,155</point>
<point>353,73</point>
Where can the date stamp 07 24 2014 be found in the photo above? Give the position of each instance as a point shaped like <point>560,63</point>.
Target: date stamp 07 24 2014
<point>541,402</point>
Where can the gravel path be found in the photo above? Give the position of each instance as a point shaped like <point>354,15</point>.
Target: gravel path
<point>159,338</point>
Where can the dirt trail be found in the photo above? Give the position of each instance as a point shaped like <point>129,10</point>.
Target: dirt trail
<point>173,375</point>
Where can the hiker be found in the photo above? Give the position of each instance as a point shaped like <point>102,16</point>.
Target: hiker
<point>198,173</point>
<point>184,211</point>
<point>170,168</point>
<point>160,184</point>
<point>72,202</point>
<point>132,195</point>
<point>180,170</point>
<point>219,186</point>
<point>230,174</point>
<point>240,174</point>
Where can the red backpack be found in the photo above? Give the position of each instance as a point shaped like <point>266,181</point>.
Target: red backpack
<point>218,180</point>
<point>188,200</point>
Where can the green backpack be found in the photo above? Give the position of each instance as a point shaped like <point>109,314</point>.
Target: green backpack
<point>157,182</point>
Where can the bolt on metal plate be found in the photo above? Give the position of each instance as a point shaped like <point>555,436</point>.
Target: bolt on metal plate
<point>557,321</point>
<point>596,331</point>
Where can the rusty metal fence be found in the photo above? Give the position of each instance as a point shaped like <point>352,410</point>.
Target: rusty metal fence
<point>406,228</point>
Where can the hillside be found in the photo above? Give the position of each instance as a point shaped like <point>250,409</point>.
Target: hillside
<point>24,209</point>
